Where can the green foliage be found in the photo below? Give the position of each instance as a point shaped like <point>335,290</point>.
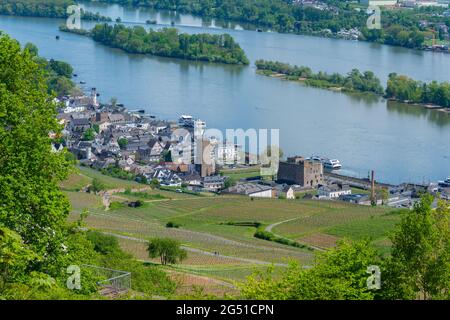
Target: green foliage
<point>269,236</point>
<point>44,8</point>
<point>168,250</point>
<point>171,224</point>
<point>353,81</point>
<point>146,279</point>
<point>32,49</point>
<point>117,172</point>
<point>399,27</point>
<point>168,42</point>
<point>123,142</point>
<point>154,183</point>
<point>89,135</point>
<point>29,171</point>
<point>103,244</point>
<point>405,89</point>
<point>61,68</point>
<point>339,274</point>
<point>420,263</point>
<point>96,186</point>
<point>14,256</point>
<point>254,224</point>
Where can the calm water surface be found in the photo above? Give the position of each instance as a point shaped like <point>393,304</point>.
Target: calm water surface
<point>402,143</point>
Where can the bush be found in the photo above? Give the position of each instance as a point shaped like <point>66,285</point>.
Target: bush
<point>103,243</point>
<point>171,224</point>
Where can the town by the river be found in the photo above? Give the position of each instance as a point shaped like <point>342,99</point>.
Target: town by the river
<point>402,143</point>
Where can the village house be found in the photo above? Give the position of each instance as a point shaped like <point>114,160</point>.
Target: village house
<point>166,177</point>
<point>79,125</point>
<point>333,191</point>
<point>214,183</point>
<point>285,191</point>
<point>252,190</point>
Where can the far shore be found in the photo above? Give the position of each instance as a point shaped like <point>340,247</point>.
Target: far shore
<point>341,89</point>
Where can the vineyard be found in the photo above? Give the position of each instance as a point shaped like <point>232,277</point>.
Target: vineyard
<point>218,247</point>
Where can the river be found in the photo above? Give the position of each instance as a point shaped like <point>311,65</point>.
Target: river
<point>401,143</point>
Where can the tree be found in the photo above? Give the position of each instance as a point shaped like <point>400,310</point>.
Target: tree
<point>122,142</point>
<point>113,102</point>
<point>31,203</point>
<point>168,250</point>
<point>14,256</point>
<point>61,68</point>
<point>154,183</point>
<point>340,273</point>
<point>420,263</point>
<point>32,49</point>
<point>96,186</point>
<point>89,135</point>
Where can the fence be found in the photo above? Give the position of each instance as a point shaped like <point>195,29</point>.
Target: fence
<point>117,281</point>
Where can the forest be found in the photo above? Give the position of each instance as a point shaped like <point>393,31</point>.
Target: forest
<point>43,8</point>
<point>399,27</point>
<point>353,81</point>
<point>168,42</point>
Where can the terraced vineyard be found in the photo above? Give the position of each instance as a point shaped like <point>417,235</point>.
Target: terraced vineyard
<point>218,248</point>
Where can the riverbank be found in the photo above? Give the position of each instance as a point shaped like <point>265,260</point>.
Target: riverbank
<point>399,88</point>
<point>308,82</point>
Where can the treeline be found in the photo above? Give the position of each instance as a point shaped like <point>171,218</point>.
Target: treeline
<point>399,27</point>
<point>402,88</point>
<point>168,42</point>
<point>398,87</point>
<point>353,81</point>
<point>44,8</point>
<point>57,74</point>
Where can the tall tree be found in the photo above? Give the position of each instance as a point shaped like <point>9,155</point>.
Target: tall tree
<point>31,203</point>
<point>420,264</point>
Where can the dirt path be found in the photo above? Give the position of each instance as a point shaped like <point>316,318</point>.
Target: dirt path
<point>273,225</point>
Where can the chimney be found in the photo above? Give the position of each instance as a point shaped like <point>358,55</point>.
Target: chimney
<point>373,188</point>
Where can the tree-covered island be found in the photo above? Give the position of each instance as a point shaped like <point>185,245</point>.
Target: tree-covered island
<point>168,42</point>
<point>354,81</point>
<point>399,87</point>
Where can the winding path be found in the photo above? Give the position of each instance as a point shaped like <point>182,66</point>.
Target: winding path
<point>273,225</point>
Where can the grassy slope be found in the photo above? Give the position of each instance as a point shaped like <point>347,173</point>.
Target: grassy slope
<point>202,225</point>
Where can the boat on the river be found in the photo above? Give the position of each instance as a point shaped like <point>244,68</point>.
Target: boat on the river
<point>445,183</point>
<point>330,164</point>
<point>186,121</point>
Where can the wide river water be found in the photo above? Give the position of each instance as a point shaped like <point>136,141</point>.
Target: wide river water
<point>401,143</point>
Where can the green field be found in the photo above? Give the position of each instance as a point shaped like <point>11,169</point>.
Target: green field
<point>205,229</point>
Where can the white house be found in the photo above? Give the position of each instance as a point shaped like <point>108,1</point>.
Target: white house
<point>379,3</point>
<point>333,191</point>
<point>252,190</point>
